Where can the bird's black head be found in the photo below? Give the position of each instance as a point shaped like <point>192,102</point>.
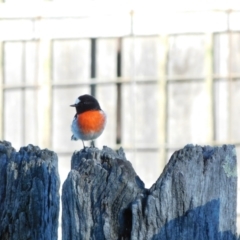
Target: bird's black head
<point>86,103</point>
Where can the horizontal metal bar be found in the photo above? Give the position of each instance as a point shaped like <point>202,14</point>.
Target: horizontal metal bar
<point>32,36</point>
<point>139,80</point>
<point>145,79</point>
<point>19,86</point>
<point>36,38</point>
<point>117,80</point>
<point>159,148</point>
<point>232,76</point>
<point>58,10</point>
<point>102,81</point>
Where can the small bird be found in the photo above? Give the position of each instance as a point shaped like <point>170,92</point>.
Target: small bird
<point>89,121</point>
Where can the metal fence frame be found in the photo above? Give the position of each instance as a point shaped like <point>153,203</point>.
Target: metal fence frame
<point>47,85</point>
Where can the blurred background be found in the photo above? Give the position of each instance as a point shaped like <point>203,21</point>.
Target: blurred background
<point>166,73</point>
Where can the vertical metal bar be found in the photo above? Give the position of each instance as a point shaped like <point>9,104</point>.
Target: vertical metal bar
<point>163,41</point>
<point>23,93</point>
<point>131,22</point>
<point>119,93</point>
<point>1,89</point>
<point>229,79</point>
<point>45,93</point>
<point>93,65</point>
<point>209,86</point>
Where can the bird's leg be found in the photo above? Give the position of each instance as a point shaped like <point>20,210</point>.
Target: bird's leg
<point>92,144</point>
<point>83,145</point>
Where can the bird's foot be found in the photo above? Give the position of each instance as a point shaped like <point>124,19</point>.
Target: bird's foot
<point>92,144</point>
<point>84,147</point>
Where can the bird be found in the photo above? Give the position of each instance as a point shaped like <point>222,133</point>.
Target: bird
<point>89,120</point>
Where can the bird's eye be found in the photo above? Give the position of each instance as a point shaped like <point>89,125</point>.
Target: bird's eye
<point>77,101</point>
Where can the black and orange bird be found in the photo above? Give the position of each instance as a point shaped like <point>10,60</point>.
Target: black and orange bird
<point>89,121</point>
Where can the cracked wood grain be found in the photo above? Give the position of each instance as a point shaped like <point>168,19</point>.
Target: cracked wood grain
<point>29,193</point>
<point>194,198</point>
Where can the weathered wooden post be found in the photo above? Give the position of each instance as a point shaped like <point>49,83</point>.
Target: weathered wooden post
<point>194,198</point>
<point>29,193</point>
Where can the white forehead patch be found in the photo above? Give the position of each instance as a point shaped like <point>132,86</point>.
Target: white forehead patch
<point>77,101</point>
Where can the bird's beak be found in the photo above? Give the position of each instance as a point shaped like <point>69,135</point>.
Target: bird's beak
<point>73,105</point>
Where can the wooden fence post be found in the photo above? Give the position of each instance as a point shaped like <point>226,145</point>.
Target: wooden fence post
<point>29,193</point>
<point>194,198</point>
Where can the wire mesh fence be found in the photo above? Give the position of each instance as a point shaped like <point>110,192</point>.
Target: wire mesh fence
<point>164,80</point>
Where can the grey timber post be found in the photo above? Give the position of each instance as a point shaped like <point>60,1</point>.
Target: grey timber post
<point>29,193</point>
<point>194,198</point>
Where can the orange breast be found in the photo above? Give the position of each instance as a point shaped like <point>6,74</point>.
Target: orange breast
<point>91,121</point>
